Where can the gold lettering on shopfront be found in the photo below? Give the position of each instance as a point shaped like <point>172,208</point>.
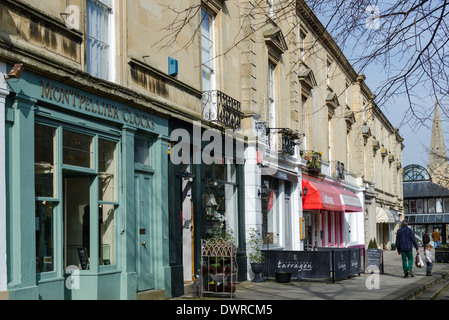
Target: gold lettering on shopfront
<point>102,108</point>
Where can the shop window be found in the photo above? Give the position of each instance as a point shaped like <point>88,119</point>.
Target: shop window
<point>44,224</point>
<point>270,212</point>
<point>107,234</point>
<point>220,171</point>
<point>44,160</point>
<point>77,149</point>
<point>142,151</point>
<point>77,222</point>
<point>107,169</point>
<point>221,201</point>
<point>98,40</point>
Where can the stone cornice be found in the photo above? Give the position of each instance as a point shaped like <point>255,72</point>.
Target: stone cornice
<point>307,15</point>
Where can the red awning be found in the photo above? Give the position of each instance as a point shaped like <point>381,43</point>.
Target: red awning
<point>349,201</point>
<point>325,196</point>
<point>321,196</point>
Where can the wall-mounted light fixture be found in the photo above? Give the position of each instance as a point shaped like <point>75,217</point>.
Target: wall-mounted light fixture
<point>262,192</point>
<point>186,176</point>
<point>15,72</point>
<point>304,192</point>
<point>210,182</point>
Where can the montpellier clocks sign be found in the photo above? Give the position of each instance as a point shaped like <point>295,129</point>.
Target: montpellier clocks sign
<point>101,108</point>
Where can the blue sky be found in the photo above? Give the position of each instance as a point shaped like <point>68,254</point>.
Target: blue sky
<point>415,131</point>
<point>416,136</point>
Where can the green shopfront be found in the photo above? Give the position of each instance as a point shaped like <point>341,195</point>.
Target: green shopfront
<point>86,194</point>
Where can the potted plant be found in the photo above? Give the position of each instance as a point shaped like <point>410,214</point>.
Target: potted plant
<point>313,160</point>
<point>255,254</point>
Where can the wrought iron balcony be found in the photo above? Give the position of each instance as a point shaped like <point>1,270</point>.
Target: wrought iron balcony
<point>283,140</point>
<point>221,108</point>
<point>289,142</point>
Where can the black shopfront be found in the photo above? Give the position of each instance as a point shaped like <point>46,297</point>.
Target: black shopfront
<point>206,192</point>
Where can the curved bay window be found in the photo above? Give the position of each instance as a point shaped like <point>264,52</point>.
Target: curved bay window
<point>85,178</point>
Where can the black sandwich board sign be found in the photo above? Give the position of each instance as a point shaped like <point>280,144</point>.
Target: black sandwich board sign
<point>374,261</point>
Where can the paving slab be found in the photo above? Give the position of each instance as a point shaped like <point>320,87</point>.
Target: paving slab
<point>390,285</point>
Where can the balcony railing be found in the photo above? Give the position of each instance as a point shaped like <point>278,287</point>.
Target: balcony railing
<point>289,142</point>
<point>281,141</point>
<point>221,108</point>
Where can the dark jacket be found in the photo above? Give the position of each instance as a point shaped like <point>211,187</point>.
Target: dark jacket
<point>426,238</point>
<point>405,239</point>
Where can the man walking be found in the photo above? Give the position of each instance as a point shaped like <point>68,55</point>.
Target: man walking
<point>436,238</point>
<point>405,241</point>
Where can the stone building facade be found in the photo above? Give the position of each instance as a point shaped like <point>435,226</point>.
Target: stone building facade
<point>135,129</point>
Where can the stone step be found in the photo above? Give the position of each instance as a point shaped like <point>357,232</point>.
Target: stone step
<point>435,290</point>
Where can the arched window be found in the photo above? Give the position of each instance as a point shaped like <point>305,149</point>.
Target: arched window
<point>414,172</point>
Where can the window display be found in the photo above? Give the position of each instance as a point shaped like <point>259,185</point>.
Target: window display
<point>76,220</point>
<point>107,169</point>
<point>107,234</point>
<point>80,222</point>
<point>44,160</point>
<point>220,201</point>
<point>44,236</point>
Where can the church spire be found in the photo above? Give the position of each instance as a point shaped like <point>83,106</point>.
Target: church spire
<point>438,162</point>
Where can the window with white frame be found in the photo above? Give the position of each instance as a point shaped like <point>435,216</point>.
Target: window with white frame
<point>328,72</point>
<point>302,40</point>
<point>271,101</point>
<point>99,56</point>
<point>347,93</point>
<point>207,50</point>
<point>330,127</point>
<point>304,118</point>
<point>270,8</point>
<point>348,148</point>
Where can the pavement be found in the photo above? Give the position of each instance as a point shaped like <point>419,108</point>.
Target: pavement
<point>390,285</point>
